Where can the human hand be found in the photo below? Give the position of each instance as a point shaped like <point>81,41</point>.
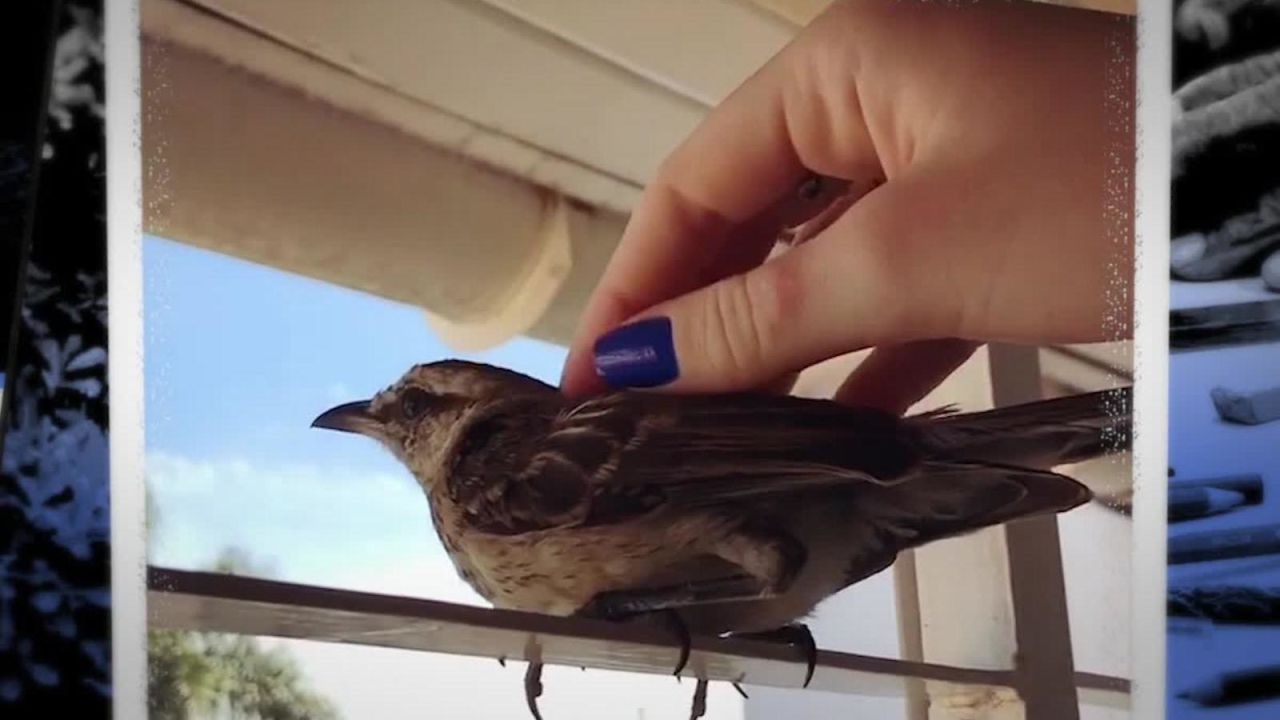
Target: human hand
<point>1003,135</point>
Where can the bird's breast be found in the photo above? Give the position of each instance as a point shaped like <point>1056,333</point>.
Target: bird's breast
<point>558,571</point>
<point>551,572</point>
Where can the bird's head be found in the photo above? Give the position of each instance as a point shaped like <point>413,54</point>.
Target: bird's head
<point>422,414</point>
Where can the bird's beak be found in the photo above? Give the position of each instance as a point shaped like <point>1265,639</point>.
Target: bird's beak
<point>351,417</point>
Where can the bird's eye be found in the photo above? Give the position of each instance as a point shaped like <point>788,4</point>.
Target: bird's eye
<point>414,403</point>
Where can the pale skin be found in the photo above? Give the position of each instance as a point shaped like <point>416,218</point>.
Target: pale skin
<point>1003,214</point>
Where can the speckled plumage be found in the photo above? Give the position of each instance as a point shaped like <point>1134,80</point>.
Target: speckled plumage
<point>544,503</point>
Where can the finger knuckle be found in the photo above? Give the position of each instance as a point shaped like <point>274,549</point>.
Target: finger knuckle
<point>747,317</point>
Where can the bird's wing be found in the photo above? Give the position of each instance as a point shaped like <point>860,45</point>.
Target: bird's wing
<point>529,466</point>
<point>741,447</point>
<point>948,499</point>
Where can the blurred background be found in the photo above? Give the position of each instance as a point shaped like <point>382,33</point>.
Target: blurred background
<point>1225,319</point>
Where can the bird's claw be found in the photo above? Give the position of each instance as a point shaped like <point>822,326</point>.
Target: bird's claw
<point>797,635</point>
<point>673,621</point>
<point>741,692</point>
<point>699,700</point>
<point>533,688</point>
<point>806,643</point>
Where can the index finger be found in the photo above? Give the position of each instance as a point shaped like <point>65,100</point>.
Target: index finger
<point>737,164</point>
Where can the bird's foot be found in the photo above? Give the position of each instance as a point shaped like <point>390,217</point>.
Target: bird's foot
<point>796,635</point>
<point>671,620</point>
<point>533,688</point>
<point>699,700</point>
<point>620,607</point>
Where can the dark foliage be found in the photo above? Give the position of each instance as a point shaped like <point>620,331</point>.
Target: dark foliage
<point>55,646</point>
<point>26,48</point>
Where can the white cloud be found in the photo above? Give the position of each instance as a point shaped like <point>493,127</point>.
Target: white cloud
<point>313,523</point>
<point>173,471</point>
<point>428,576</point>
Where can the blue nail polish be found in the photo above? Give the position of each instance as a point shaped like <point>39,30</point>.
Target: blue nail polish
<point>641,354</point>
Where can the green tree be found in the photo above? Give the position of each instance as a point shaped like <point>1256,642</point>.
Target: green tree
<point>197,675</point>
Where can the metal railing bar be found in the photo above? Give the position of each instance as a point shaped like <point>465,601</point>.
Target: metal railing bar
<point>215,602</point>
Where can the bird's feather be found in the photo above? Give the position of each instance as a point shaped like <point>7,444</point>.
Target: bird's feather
<point>950,499</point>
<point>1042,434</point>
<point>533,465</point>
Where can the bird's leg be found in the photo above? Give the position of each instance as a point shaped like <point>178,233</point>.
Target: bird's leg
<point>618,605</point>
<point>699,700</point>
<point>797,635</point>
<point>673,622</point>
<point>533,687</point>
<point>622,604</point>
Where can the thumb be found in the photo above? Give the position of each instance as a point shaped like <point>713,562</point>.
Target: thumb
<point>832,295</point>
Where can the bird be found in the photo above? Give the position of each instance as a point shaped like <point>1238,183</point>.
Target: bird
<point>727,514</point>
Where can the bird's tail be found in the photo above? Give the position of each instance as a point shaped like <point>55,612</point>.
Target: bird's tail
<point>1040,435</point>
<point>992,467</point>
<point>987,468</point>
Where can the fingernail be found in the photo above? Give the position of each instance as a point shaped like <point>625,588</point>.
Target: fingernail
<point>641,354</point>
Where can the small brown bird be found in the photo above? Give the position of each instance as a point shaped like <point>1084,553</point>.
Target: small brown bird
<point>733,514</point>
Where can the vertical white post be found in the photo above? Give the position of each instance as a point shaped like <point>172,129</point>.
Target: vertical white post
<point>1044,663</point>
<point>910,642</point>
<point>994,599</point>
<point>961,596</point>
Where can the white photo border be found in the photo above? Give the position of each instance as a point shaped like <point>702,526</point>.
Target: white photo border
<point>122,37</point>
<point>1151,354</point>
